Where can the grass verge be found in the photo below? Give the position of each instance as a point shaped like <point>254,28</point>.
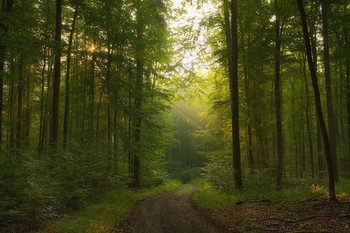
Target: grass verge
<point>208,197</point>
<point>105,214</point>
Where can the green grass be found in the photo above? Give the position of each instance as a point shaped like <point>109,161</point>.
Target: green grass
<point>105,214</point>
<point>209,198</point>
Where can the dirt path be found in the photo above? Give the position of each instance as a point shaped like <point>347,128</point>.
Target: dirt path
<point>169,212</point>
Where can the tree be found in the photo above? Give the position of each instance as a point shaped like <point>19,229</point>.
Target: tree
<point>278,97</point>
<point>67,104</point>
<point>329,95</point>
<point>57,77</point>
<point>328,153</point>
<point>7,6</point>
<point>235,99</point>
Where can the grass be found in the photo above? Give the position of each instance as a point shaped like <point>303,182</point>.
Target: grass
<point>209,198</point>
<point>105,214</point>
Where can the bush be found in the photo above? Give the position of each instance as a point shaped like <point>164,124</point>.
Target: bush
<point>106,212</point>
<point>35,189</point>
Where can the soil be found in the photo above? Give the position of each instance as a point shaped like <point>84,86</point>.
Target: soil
<point>172,212</point>
<point>309,215</point>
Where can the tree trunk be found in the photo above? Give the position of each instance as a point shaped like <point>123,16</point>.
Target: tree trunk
<point>20,104</point>
<point>235,100</point>
<point>92,96</point>
<point>331,181</point>
<point>329,98</point>
<point>12,112</point>
<point>27,110</point>
<point>67,106</point>
<point>138,97</point>
<point>7,6</point>
<point>56,80</point>
<point>278,99</point>
<point>42,102</point>
<point>308,119</point>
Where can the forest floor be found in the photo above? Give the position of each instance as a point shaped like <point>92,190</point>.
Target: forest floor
<point>169,212</point>
<point>314,214</point>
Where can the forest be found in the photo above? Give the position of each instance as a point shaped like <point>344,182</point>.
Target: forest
<point>106,103</point>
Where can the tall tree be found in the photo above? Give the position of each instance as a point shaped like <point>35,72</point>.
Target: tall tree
<point>328,153</point>
<point>329,97</point>
<point>234,93</point>
<point>7,6</point>
<point>67,100</point>
<point>57,77</point>
<point>138,92</point>
<point>278,97</point>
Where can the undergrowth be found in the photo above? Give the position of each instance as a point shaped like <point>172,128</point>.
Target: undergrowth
<point>213,199</point>
<point>107,212</point>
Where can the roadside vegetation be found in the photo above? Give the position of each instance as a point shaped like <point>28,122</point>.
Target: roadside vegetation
<point>107,211</point>
<point>300,206</point>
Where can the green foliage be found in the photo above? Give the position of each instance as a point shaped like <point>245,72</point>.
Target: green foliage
<point>209,198</point>
<point>108,210</point>
<point>37,188</point>
<point>218,171</point>
<point>262,189</point>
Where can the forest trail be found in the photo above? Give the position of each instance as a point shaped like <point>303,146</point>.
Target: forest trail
<point>169,212</point>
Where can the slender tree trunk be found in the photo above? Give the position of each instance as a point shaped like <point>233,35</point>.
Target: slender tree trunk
<point>46,117</point>
<point>347,80</point>
<point>331,181</point>
<point>92,96</point>
<point>12,114</point>
<point>296,152</point>
<point>302,152</point>
<point>108,81</point>
<point>278,99</point>
<point>321,166</point>
<point>7,6</point>
<point>56,80</point>
<point>67,106</point>
<point>250,149</point>
<point>27,110</point>
<point>235,100</point>
<point>320,152</point>
<point>84,101</point>
<point>20,104</point>
<point>115,128</point>
<point>308,120</point>
<point>98,115</point>
<point>40,144</point>
<point>348,101</point>
<point>138,97</point>
<point>329,98</point>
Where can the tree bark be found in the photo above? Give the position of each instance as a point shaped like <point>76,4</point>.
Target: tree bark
<point>329,98</point>
<point>56,80</point>
<point>138,98</point>
<point>278,99</point>
<point>92,96</point>
<point>331,181</point>
<point>236,149</point>
<point>19,132</point>
<point>308,119</point>
<point>67,106</point>
<point>7,6</point>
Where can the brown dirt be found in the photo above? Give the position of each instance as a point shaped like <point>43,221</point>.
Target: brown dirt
<point>309,215</point>
<point>169,212</point>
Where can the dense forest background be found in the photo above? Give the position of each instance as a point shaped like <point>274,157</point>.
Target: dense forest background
<point>97,95</point>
